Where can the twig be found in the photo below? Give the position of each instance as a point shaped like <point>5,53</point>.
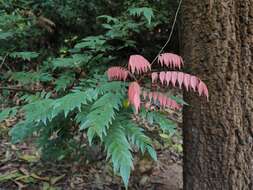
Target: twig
<point>171,32</point>
<point>3,62</point>
<point>170,35</point>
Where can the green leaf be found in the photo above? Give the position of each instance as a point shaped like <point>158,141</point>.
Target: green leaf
<point>7,112</point>
<point>101,114</point>
<point>108,18</point>
<point>138,138</point>
<point>179,100</point>
<point>91,134</point>
<point>31,77</point>
<point>157,118</point>
<point>22,130</point>
<point>145,11</point>
<point>125,171</point>
<point>64,81</point>
<point>114,86</point>
<point>119,150</point>
<point>25,55</point>
<point>36,97</point>
<point>152,152</point>
<point>75,61</point>
<point>40,110</point>
<point>73,100</point>
<point>5,35</point>
<point>46,109</point>
<point>65,62</point>
<point>91,42</point>
<point>167,125</point>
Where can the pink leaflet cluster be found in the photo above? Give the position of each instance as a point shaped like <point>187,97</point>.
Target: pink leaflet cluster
<point>138,64</point>
<point>117,73</point>
<point>170,60</point>
<point>165,102</point>
<point>134,92</point>
<point>182,79</point>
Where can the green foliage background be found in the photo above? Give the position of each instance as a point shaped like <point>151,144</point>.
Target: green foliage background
<point>53,58</point>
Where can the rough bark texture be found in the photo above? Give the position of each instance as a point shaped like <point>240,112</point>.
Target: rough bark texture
<point>217,44</point>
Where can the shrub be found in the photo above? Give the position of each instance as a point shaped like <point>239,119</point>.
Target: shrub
<point>76,89</point>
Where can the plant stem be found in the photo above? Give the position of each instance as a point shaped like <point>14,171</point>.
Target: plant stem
<point>171,32</point>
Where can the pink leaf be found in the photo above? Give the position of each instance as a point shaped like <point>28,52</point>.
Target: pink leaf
<point>136,102</point>
<point>154,77</point>
<point>174,105</point>
<point>174,78</point>
<point>155,96</point>
<point>168,102</point>
<point>194,82</point>
<point>202,89</point>
<point>117,73</point>
<point>170,60</point>
<point>138,64</point>
<point>168,78</point>
<point>160,99</point>
<point>180,79</point>
<point>162,76</point>
<point>187,78</point>
<point>164,101</point>
<point>134,95</point>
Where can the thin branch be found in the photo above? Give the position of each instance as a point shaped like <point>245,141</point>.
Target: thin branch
<point>3,62</point>
<point>171,32</point>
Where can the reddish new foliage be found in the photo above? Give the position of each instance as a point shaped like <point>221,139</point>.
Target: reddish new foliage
<point>162,76</point>
<point>180,78</point>
<point>173,78</point>
<point>163,100</point>
<point>134,92</point>
<point>117,73</point>
<point>186,81</point>
<point>170,60</point>
<point>202,89</point>
<point>154,77</point>
<point>138,64</point>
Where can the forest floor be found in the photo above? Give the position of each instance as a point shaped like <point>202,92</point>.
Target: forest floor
<point>21,168</point>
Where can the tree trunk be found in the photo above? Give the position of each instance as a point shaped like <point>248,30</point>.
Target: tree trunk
<point>217,45</point>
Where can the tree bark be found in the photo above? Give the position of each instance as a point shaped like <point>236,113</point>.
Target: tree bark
<point>217,45</point>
